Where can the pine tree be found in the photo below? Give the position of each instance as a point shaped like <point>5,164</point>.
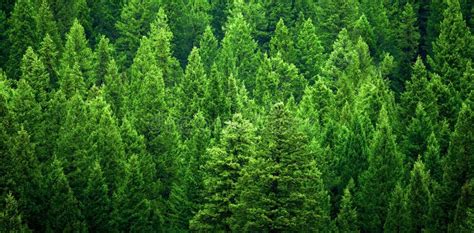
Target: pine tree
<point>397,211</point>
<point>21,34</point>
<point>238,55</point>
<point>282,42</point>
<point>160,38</point>
<point>63,213</point>
<point>418,90</point>
<point>26,181</point>
<point>346,220</point>
<point>104,142</point>
<point>134,208</point>
<point>222,169</point>
<point>453,48</point>
<point>48,54</point>
<point>418,198</point>
<point>281,189</point>
<point>134,22</point>
<point>35,74</point>
<point>459,160</point>
<point>278,80</point>
<point>333,16</point>
<point>309,59</point>
<point>376,14</point>
<point>385,163</point>
<point>114,89</point>
<point>193,88</point>
<point>364,30</point>
<point>71,81</point>
<point>208,48</point>
<point>215,95</point>
<point>11,219</point>
<point>103,56</point>
<point>408,38</point>
<point>464,208</point>
<point>415,138</point>
<point>77,51</point>
<point>431,158</point>
<point>67,11</point>
<point>96,201</point>
<point>104,14</point>
<point>46,24</point>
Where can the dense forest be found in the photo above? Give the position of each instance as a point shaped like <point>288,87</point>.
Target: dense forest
<point>236,116</point>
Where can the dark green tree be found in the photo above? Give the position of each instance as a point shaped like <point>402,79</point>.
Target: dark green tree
<point>46,24</point>
<point>134,22</point>
<point>11,219</point>
<point>96,201</point>
<point>397,211</point>
<point>48,54</point>
<point>21,33</point>
<point>63,212</point>
<point>103,55</point>
<point>419,198</point>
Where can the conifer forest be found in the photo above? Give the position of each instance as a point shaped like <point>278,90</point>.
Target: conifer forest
<point>237,116</point>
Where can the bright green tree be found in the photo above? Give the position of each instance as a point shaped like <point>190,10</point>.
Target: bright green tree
<point>46,24</point>
<point>282,42</point>
<point>222,170</point>
<point>309,59</point>
<point>48,54</point>
<point>208,48</point>
<point>77,51</point>
<point>377,182</point>
<point>419,198</point>
<point>453,47</point>
<point>278,80</point>
<point>346,220</point>
<point>238,55</point>
<point>103,55</point>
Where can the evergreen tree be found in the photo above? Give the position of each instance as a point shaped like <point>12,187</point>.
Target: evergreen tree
<point>114,89</point>
<point>453,48</point>
<point>21,34</point>
<point>459,160</point>
<point>282,42</point>
<point>385,163</point>
<point>397,209</point>
<point>11,219</point>
<point>222,170</point>
<point>278,80</point>
<point>464,208</point>
<point>432,159</point>
<point>63,212</point>
<point>103,56</point>
<point>418,198</point>
<point>309,59</point>
<point>67,11</point>
<point>96,200</point>
<point>3,40</point>
<point>134,22</point>
<point>408,38</point>
<point>48,54</point>
<point>208,48</point>
<point>333,16</point>
<point>281,189</point>
<point>46,24</point>
<point>77,51</point>
<point>238,55</point>
<point>364,30</point>
<point>346,220</point>
<point>35,74</point>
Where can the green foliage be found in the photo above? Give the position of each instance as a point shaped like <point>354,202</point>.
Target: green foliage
<point>11,219</point>
<point>160,116</point>
<point>281,189</point>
